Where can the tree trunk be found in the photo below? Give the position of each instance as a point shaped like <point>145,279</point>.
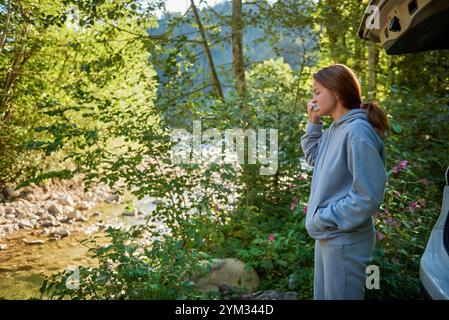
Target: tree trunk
<point>210,60</point>
<point>373,60</point>
<point>18,61</point>
<point>5,27</point>
<point>249,170</point>
<point>237,47</point>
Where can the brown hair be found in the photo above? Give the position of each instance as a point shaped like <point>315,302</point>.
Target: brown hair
<point>342,81</point>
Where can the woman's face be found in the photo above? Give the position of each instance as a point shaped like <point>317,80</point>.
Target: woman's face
<point>324,98</point>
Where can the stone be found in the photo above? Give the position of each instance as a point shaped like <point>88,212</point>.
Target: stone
<point>12,194</point>
<point>24,224</point>
<point>76,215</point>
<point>10,210</point>
<point>30,197</point>
<point>112,198</point>
<point>228,271</point>
<point>3,246</point>
<point>54,208</point>
<point>83,205</point>
<point>66,200</point>
<point>129,213</point>
<point>34,242</point>
<point>48,223</point>
<point>96,214</point>
<point>61,232</point>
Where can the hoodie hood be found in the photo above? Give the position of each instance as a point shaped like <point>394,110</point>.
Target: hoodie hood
<point>351,115</point>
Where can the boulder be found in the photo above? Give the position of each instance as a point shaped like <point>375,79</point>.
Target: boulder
<point>230,272</point>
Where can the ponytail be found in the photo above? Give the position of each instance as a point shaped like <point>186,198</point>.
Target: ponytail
<point>378,118</point>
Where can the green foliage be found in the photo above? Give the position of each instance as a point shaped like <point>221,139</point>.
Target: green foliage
<point>128,269</point>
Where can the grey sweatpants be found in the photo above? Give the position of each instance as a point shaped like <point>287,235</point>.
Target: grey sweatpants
<point>340,270</point>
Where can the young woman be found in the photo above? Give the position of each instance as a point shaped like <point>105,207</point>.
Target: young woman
<point>348,181</point>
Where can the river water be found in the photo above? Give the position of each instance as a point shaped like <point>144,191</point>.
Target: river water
<point>22,266</point>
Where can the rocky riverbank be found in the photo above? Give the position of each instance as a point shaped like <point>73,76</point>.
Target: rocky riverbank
<point>53,210</point>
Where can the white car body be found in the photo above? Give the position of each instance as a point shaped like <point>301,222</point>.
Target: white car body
<point>434,265</point>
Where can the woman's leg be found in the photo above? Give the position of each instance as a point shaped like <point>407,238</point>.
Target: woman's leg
<point>318,274</point>
<point>345,269</point>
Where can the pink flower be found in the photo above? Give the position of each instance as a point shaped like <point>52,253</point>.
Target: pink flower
<point>301,177</point>
<point>379,236</point>
<point>291,185</point>
<point>292,206</point>
<point>403,164</point>
<point>271,237</point>
<point>395,169</point>
<point>305,209</point>
<point>295,200</point>
<point>413,204</point>
<point>396,194</point>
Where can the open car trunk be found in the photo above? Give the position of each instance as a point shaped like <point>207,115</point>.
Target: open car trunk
<point>406,26</point>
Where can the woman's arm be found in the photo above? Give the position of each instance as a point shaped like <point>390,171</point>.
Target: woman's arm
<point>310,141</point>
<point>365,197</point>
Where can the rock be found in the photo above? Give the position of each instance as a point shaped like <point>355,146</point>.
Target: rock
<point>42,212</point>
<point>76,215</point>
<point>30,197</point>
<point>34,242</point>
<point>129,213</point>
<point>12,194</point>
<point>229,272</point>
<point>83,205</point>
<point>54,208</point>
<point>10,210</point>
<point>10,216</point>
<point>61,232</point>
<point>68,210</point>
<point>66,200</point>
<point>3,246</point>
<point>112,198</point>
<point>24,224</point>
<point>269,295</point>
<point>23,215</point>
<point>96,214</point>
<point>66,220</point>
<point>49,223</point>
<point>23,202</point>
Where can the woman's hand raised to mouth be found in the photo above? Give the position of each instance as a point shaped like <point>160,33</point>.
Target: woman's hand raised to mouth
<point>313,114</point>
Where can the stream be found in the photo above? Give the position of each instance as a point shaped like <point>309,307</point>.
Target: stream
<point>22,266</point>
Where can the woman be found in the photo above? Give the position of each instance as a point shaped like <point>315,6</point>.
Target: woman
<point>348,181</point>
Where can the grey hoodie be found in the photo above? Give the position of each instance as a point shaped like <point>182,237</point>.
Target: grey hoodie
<point>349,178</point>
